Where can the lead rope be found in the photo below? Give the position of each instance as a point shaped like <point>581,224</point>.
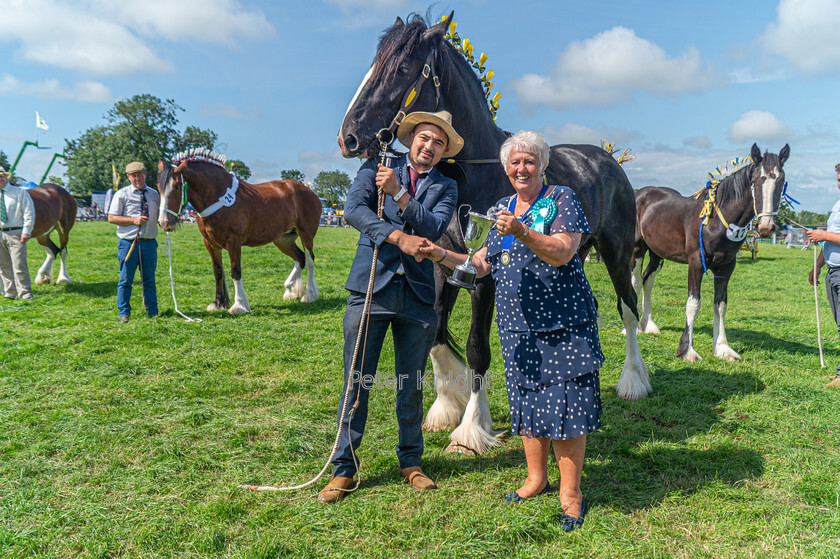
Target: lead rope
<point>817,306</point>
<point>167,250</point>
<point>816,296</point>
<point>382,135</point>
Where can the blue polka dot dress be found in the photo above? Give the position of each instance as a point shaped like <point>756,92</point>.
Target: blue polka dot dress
<point>548,331</point>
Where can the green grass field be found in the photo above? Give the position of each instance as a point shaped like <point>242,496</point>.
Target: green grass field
<point>129,440</point>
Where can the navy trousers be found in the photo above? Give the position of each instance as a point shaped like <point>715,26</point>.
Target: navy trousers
<point>413,325</point>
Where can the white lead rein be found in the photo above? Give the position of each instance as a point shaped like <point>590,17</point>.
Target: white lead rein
<point>167,250</point>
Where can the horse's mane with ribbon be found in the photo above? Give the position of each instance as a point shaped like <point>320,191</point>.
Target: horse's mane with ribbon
<point>718,176</point>
<point>485,76</point>
<point>201,154</point>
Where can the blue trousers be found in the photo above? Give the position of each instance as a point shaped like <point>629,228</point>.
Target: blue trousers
<point>413,325</point>
<point>147,251</point>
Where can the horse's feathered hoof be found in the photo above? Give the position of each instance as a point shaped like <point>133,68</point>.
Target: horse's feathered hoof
<point>458,448</point>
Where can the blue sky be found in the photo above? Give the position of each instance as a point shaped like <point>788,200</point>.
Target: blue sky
<point>687,86</point>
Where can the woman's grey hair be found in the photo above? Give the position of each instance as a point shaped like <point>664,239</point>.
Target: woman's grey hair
<point>529,142</point>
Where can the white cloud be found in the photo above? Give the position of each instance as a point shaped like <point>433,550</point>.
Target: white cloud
<point>230,111</point>
<point>578,134</point>
<point>758,126</point>
<point>609,67</point>
<point>805,35</point>
<point>206,21</point>
<point>108,38</point>
<point>86,91</point>
<point>700,142</point>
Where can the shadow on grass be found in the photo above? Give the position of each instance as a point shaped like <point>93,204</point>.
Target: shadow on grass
<point>645,450</point>
<point>100,289</point>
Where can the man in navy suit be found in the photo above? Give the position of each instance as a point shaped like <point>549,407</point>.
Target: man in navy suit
<point>419,204</point>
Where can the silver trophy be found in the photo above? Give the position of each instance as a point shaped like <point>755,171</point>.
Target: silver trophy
<point>478,227</point>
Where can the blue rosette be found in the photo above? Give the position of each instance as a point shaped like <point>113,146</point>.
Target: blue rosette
<point>543,213</point>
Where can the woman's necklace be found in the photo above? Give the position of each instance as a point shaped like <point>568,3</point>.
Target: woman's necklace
<point>507,240</point>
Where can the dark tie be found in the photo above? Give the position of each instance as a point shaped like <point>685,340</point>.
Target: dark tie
<point>415,178</point>
<point>3,205</point>
<point>144,205</point>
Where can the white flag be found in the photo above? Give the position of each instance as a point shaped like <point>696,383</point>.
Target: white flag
<point>39,122</point>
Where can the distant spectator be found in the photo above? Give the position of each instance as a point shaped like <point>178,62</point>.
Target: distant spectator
<point>830,254</point>
<point>17,218</point>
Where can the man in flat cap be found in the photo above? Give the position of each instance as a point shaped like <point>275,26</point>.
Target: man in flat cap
<point>17,218</point>
<point>419,204</point>
<point>133,210</point>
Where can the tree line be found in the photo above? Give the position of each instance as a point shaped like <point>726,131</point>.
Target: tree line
<point>146,128</point>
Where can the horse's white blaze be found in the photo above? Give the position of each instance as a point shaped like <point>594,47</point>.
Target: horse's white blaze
<point>359,91</point>
<point>45,272</point>
<point>164,204</point>
<point>311,294</point>
<point>476,430</point>
<point>240,302</point>
<point>293,284</point>
<point>453,389</point>
<point>722,349</point>
<point>768,187</point>
<point>692,307</point>
<point>634,382</point>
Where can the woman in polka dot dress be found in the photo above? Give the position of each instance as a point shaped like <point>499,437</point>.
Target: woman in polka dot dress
<point>547,322</point>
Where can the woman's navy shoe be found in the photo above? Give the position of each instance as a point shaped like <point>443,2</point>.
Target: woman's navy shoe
<point>569,523</point>
<point>513,497</point>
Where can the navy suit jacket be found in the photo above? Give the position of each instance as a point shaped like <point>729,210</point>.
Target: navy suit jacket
<point>427,215</point>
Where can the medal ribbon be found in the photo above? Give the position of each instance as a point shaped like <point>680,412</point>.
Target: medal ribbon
<point>507,240</point>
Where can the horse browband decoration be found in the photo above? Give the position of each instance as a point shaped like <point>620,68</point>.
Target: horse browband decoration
<point>733,232</point>
<point>201,154</point>
<point>466,49</point>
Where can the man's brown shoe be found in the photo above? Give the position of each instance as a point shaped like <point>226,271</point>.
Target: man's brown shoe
<point>418,479</point>
<point>330,493</point>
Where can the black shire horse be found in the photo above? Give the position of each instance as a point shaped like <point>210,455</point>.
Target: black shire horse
<point>404,50</point>
<point>668,227</point>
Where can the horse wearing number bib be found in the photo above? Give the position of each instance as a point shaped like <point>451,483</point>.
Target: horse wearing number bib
<point>706,232</point>
<point>419,65</point>
<point>233,213</point>
<point>55,210</point>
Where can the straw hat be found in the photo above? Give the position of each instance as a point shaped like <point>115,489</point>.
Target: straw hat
<point>441,119</point>
<point>4,172</point>
<point>135,167</point>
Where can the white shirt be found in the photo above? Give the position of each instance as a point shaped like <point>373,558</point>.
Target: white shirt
<point>20,211</point>
<point>127,202</point>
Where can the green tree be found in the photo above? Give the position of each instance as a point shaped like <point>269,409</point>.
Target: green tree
<point>332,185</point>
<point>239,168</point>
<point>142,128</point>
<point>292,175</point>
<point>56,180</point>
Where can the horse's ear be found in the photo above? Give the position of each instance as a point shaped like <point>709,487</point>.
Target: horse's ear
<point>784,154</point>
<point>180,168</point>
<point>398,22</point>
<point>439,29</point>
<point>755,154</point>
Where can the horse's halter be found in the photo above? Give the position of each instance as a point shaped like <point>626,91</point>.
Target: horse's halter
<point>183,201</point>
<point>386,135</point>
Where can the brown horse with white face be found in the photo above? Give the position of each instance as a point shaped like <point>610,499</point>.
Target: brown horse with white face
<point>55,210</point>
<point>233,213</point>
<point>669,226</point>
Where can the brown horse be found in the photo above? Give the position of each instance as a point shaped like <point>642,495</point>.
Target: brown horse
<point>670,226</point>
<point>233,213</point>
<point>55,210</point>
